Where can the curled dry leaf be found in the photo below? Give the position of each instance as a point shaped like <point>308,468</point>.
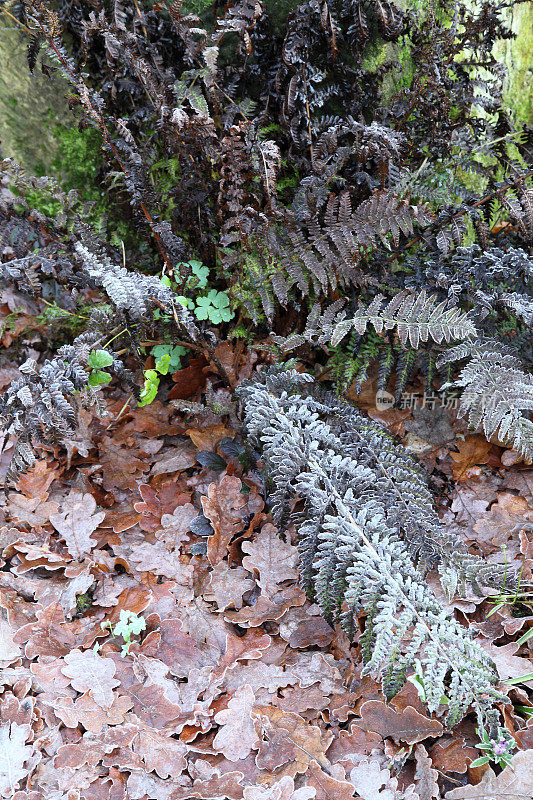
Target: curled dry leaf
<point>237,735</point>
<point>406,725</point>
<point>76,521</point>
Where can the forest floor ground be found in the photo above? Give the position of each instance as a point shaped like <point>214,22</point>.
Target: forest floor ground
<point>232,686</point>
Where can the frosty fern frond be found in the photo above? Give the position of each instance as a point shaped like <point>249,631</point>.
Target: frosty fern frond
<point>132,292</point>
<point>366,532</point>
<point>414,317</point>
<point>497,394</point>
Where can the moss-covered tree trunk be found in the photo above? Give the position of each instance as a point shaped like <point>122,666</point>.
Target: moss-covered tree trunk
<point>518,57</point>
<point>31,106</point>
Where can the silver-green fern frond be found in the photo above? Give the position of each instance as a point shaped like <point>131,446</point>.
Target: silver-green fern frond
<point>497,395</point>
<point>366,532</point>
<point>416,318</point>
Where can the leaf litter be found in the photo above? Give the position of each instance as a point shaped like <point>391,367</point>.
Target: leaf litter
<point>234,687</point>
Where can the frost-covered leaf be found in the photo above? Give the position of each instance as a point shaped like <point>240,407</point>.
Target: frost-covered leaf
<point>237,735</point>
<point>14,753</point>
<point>89,672</point>
<point>76,521</point>
<point>272,559</point>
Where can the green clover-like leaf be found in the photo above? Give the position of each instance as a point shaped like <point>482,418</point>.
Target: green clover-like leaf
<point>99,359</point>
<point>149,390</point>
<point>98,377</point>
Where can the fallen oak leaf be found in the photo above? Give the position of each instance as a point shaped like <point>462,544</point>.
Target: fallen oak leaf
<point>474,450</point>
<point>370,777</point>
<point>91,749</point>
<point>87,712</point>
<point>47,636</point>
<point>33,511</point>
<point>237,735</point>
<point>272,559</point>
<point>157,559</point>
<point>328,787</point>
<point>452,754</point>
<point>515,781</point>
<point>209,436</point>
<point>251,646</point>
<point>160,753</point>
<point>281,790</point>
<point>506,518</point>
<point>76,522</point>
<point>406,725</point>
<point>222,507</point>
<point>89,672</point>
<point>268,608</point>
<point>14,754</point>
<point>226,586</point>
<point>306,742</point>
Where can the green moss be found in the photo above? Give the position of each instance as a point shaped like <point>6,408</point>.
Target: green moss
<point>518,57</point>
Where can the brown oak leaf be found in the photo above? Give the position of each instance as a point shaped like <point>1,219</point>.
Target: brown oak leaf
<point>47,636</point>
<point>474,450</point>
<point>160,753</point>
<point>272,559</point>
<point>226,586</point>
<point>302,742</point>
<point>89,672</point>
<point>406,725</point>
<point>92,716</point>
<point>14,754</point>
<point>76,521</point>
<point>327,786</point>
<point>237,735</point>
<point>156,558</point>
<point>222,507</point>
<point>515,781</point>
<point>281,790</point>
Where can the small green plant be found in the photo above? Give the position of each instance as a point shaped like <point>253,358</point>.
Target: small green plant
<point>214,307</point>
<point>98,360</point>
<point>162,365</point>
<point>129,624</point>
<point>497,750</point>
<point>175,354</point>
